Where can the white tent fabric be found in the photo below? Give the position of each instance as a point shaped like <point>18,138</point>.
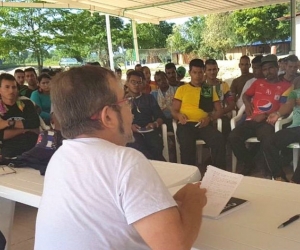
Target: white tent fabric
<point>151,11</point>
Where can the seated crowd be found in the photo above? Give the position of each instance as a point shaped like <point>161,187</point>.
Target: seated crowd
<point>98,112</point>
<point>266,94</point>
<point>197,105</point>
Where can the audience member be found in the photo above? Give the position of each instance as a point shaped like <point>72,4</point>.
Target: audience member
<point>238,83</point>
<point>147,119</point>
<point>164,96</point>
<point>170,70</point>
<point>257,74</point>
<point>31,79</point>
<point>2,241</point>
<point>115,199</point>
<point>41,97</point>
<point>148,85</point>
<point>280,140</point>
<point>118,73</point>
<point>138,67</point>
<point>264,97</point>
<point>223,91</point>
<point>19,123</point>
<point>291,68</point>
<point>181,74</point>
<point>281,64</point>
<point>194,103</point>
<point>20,78</point>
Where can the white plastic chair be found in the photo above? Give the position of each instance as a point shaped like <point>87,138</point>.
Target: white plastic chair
<point>165,142</point>
<point>294,146</point>
<point>233,122</point>
<point>199,143</point>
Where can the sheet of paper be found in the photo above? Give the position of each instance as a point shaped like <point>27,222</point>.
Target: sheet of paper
<point>220,186</point>
<point>6,170</point>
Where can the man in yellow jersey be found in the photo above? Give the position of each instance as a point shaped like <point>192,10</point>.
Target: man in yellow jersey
<point>223,91</point>
<point>192,107</point>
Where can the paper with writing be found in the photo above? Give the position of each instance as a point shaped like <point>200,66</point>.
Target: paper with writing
<point>220,186</point>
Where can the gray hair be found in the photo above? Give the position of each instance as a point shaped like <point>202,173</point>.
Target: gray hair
<point>77,95</point>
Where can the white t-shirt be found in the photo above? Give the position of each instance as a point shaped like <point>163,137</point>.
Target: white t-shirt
<point>247,85</point>
<point>93,191</point>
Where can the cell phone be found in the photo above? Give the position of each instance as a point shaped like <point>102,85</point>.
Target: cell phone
<point>198,124</point>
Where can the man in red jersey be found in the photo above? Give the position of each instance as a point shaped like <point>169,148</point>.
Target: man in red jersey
<point>264,97</point>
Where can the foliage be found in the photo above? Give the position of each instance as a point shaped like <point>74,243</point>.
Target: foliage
<point>219,35</point>
<point>176,42</point>
<point>207,36</point>
<point>83,35</point>
<point>28,29</point>
<point>28,35</point>
<point>261,24</point>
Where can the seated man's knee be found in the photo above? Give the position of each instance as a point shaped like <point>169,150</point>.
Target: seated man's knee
<point>233,137</point>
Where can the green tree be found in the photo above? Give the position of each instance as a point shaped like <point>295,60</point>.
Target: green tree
<point>218,35</point>
<point>149,35</point>
<point>83,35</point>
<point>261,24</point>
<point>28,29</point>
<point>176,42</point>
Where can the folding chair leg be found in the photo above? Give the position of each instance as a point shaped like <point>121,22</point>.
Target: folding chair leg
<point>234,162</point>
<point>295,157</point>
<point>199,153</point>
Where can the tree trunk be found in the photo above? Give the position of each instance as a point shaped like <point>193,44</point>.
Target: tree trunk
<point>38,57</point>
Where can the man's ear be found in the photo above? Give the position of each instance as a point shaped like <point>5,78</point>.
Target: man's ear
<point>108,117</point>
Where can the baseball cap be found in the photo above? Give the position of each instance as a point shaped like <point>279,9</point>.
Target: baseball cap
<point>269,58</point>
<point>181,71</point>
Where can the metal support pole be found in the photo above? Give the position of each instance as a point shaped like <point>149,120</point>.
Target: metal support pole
<point>110,51</point>
<point>293,27</point>
<point>135,42</point>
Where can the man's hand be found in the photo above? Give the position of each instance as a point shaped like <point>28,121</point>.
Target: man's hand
<point>204,122</point>
<point>259,118</point>
<point>191,193</point>
<point>152,125</point>
<point>272,118</point>
<point>135,128</point>
<point>249,109</point>
<point>182,118</point>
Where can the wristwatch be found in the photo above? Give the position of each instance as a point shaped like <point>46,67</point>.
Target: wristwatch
<point>11,123</point>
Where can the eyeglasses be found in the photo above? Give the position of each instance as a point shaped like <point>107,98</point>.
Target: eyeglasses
<point>134,82</point>
<point>127,100</point>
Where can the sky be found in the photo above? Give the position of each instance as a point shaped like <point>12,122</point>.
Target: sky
<point>178,20</point>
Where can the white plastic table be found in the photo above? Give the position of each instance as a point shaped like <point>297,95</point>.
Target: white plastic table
<point>26,186</point>
<point>254,227</point>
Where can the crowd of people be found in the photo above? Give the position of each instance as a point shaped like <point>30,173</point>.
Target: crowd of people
<point>206,98</point>
<point>195,106</point>
<point>113,126</point>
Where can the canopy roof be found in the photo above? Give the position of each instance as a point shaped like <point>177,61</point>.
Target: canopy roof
<point>151,11</point>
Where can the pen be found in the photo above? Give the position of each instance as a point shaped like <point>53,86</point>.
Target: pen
<point>198,124</point>
<point>289,221</point>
